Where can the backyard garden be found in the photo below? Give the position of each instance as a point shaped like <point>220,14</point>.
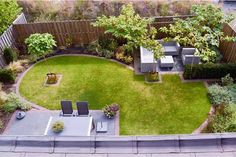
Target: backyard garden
<point>102,71</point>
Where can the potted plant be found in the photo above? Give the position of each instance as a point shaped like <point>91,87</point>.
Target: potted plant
<point>57,126</point>
<point>110,110</point>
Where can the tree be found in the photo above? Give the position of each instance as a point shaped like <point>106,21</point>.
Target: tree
<point>40,45</point>
<point>203,31</point>
<point>133,28</point>
<point>9,9</point>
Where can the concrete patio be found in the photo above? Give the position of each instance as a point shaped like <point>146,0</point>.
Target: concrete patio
<point>35,123</point>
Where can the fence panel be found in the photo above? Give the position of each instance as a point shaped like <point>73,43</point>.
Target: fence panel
<point>79,32</point>
<point>7,39</point>
<point>228,49</point>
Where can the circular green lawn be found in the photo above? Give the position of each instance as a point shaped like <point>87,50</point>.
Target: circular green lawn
<point>162,108</point>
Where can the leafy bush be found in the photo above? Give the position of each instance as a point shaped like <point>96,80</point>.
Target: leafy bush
<point>128,59</point>
<point>110,110</point>
<point>3,96</point>
<point>9,55</point>
<point>232,89</point>
<point>209,71</point>
<point>40,45</point>
<point>107,43</point>
<point>227,80</point>
<point>7,76</point>
<point>16,67</point>
<point>219,95</point>
<point>133,29</point>
<point>223,121</point>
<point>108,53</point>
<point>188,33</point>
<point>13,102</point>
<point>1,124</point>
<point>8,10</point>
<point>57,126</point>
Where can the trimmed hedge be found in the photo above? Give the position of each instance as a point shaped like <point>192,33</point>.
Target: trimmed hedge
<point>7,76</point>
<point>209,71</point>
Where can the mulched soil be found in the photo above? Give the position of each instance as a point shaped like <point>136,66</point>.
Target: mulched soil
<point>5,118</point>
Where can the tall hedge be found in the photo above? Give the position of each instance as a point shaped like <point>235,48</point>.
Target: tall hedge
<point>9,9</point>
<point>209,71</point>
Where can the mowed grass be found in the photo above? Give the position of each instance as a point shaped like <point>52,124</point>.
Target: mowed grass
<point>170,107</point>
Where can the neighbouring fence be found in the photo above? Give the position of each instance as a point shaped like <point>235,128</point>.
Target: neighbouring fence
<point>7,39</point>
<point>80,32</point>
<point>228,49</point>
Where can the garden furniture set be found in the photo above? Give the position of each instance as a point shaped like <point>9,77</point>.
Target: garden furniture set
<point>82,111</point>
<point>171,49</point>
<point>67,109</point>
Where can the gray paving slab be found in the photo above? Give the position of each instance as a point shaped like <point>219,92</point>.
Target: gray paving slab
<point>43,155</point>
<point>229,154</point>
<point>128,155</point>
<point>10,154</point>
<point>35,123</point>
<point>158,144</point>
<point>174,155</point>
<point>86,155</point>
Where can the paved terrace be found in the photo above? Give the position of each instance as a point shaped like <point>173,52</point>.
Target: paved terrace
<point>201,145</point>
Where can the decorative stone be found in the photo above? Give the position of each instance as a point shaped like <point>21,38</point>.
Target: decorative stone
<point>20,115</point>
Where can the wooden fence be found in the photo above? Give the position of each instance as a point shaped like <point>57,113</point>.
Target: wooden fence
<point>228,49</point>
<point>80,32</point>
<point>7,39</point>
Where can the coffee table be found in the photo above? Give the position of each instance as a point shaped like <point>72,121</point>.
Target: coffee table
<point>167,62</point>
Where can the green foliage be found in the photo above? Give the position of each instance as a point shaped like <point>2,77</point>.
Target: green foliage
<point>57,126</point>
<point>9,10</point>
<point>9,55</point>
<point>13,102</point>
<point>188,33</point>
<point>232,89</point>
<point>40,45</point>
<point>219,95</point>
<point>227,80</point>
<point>224,120</point>
<point>110,110</point>
<point>7,76</point>
<point>209,71</point>
<point>3,96</point>
<point>1,124</point>
<point>133,28</point>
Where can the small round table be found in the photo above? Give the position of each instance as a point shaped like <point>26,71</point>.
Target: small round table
<point>20,115</point>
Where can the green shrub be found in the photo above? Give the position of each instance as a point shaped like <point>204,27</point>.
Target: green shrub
<point>108,53</point>
<point>9,107</point>
<point>227,80</point>
<point>223,121</point>
<point>9,9</point>
<point>128,59</point>
<point>1,124</point>
<point>57,126</point>
<point>209,71</point>
<point>7,76</point>
<point>9,55</point>
<point>40,45</point>
<point>219,95</point>
<point>13,102</point>
<point>232,90</point>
